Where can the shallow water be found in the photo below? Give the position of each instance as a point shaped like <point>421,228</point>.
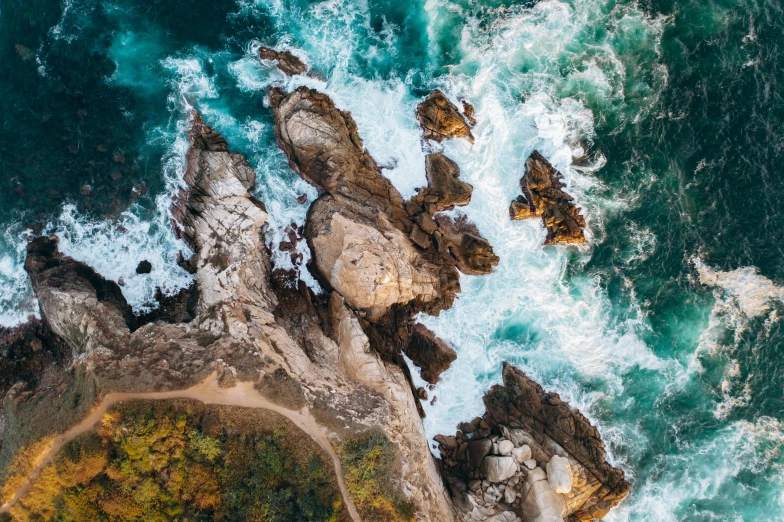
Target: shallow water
<point>664,116</point>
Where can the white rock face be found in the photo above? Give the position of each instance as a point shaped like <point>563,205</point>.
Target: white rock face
<point>372,271</point>
<point>559,474</point>
<point>530,463</point>
<point>497,469</point>
<point>542,503</point>
<point>522,453</point>
<point>505,447</point>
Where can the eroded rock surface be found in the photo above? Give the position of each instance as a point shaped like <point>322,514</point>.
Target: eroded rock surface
<point>445,189</point>
<point>358,229</point>
<point>441,120</point>
<point>473,253</point>
<point>249,323</point>
<point>556,470</point>
<point>336,356</point>
<point>288,63</point>
<point>543,197</point>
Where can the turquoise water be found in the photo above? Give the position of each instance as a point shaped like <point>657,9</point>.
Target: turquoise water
<point>665,117</point>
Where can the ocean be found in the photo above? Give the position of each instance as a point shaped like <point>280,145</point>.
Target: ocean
<point>666,118</point>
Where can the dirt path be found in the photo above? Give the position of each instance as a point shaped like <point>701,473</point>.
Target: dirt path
<point>207,392</point>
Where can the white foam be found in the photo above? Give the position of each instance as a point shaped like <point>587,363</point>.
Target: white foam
<point>115,248</point>
<point>17,301</point>
<point>701,473</point>
<point>751,291</point>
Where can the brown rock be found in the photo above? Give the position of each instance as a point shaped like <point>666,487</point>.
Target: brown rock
<point>288,63</point>
<point>542,196</point>
<point>444,189</point>
<point>431,354</point>
<point>364,243</point>
<point>541,423</point>
<point>473,253</point>
<point>468,112</point>
<point>441,120</point>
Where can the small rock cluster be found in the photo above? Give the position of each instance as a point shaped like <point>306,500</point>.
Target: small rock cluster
<point>543,197</point>
<point>529,457</point>
<point>459,237</point>
<point>504,478</point>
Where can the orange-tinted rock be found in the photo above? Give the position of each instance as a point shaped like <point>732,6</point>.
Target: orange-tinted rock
<point>441,120</point>
<point>543,197</point>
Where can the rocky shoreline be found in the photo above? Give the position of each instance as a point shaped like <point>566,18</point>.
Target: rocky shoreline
<point>337,355</point>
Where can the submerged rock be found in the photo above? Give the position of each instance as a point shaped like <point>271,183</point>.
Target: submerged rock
<point>543,197</point>
<point>441,120</point>
<point>288,63</point>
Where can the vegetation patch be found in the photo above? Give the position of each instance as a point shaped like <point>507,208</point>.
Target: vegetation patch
<point>181,460</point>
<point>368,461</point>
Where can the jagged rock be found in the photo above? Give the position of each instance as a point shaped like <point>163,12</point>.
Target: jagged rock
<point>559,474</point>
<point>358,230</point>
<point>26,353</point>
<point>473,253</point>
<point>543,197</point>
<point>445,189</point>
<point>468,112</point>
<point>144,267</point>
<point>288,63</point>
<point>540,425</point>
<point>247,323</point>
<point>431,354</point>
<point>497,469</point>
<point>441,120</point>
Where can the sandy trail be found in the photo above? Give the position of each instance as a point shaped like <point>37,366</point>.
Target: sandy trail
<point>208,392</point>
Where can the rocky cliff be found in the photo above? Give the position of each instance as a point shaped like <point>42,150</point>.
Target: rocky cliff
<point>335,356</point>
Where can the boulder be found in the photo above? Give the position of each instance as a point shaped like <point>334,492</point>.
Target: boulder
<point>478,450</point>
<point>522,453</point>
<point>144,267</point>
<point>288,63</point>
<point>363,241</point>
<point>559,474</point>
<point>542,502</point>
<point>445,189</point>
<point>441,120</point>
<point>505,447</point>
<point>543,197</point>
<point>497,469</point>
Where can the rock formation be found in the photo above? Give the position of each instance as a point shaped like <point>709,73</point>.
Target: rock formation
<point>543,197</point>
<point>445,189</point>
<point>288,63</point>
<point>249,324</point>
<point>441,120</point>
<point>334,357</point>
<point>529,457</point>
